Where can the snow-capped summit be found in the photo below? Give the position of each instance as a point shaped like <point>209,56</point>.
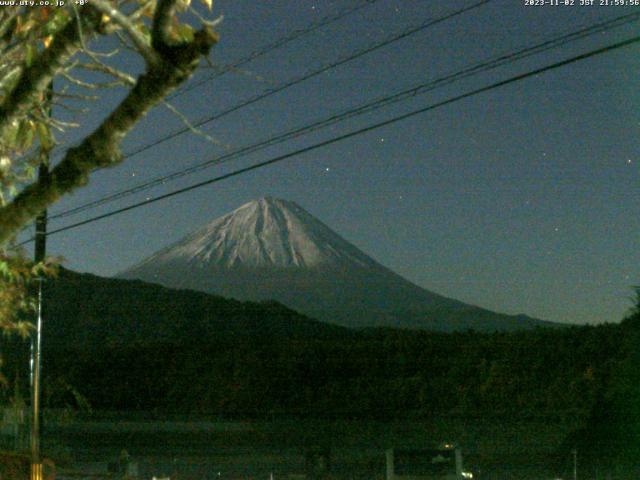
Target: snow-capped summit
<point>272,249</point>
<point>265,233</point>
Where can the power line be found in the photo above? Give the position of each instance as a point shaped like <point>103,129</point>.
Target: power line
<point>474,69</point>
<point>280,42</point>
<point>290,83</point>
<point>267,93</point>
<point>275,45</point>
<point>354,133</point>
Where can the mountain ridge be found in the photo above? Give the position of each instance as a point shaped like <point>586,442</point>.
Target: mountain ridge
<point>81,311</point>
<point>274,249</point>
<point>284,235</point>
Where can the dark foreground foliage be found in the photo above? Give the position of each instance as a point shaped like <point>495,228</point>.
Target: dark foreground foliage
<point>133,346</point>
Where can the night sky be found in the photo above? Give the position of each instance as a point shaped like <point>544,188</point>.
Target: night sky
<point>523,199</point>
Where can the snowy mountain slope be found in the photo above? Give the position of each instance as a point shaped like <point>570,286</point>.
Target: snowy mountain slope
<point>274,249</point>
<point>265,233</point>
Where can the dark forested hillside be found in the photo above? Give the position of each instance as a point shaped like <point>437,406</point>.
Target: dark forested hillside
<point>89,311</point>
<point>610,440</point>
<point>131,345</point>
<point>128,345</point>
<point>378,374</point>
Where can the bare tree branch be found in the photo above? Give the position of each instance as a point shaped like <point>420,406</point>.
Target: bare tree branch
<point>7,21</point>
<point>102,147</point>
<point>114,72</point>
<point>69,108</point>
<point>161,28</point>
<point>36,78</point>
<point>93,85</point>
<point>76,96</point>
<point>62,126</point>
<point>138,39</point>
<point>193,129</point>
<point>209,23</point>
<point>135,15</point>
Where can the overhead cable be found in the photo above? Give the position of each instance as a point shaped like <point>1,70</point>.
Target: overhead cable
<point>354,133</point>
<point>279,43</point>
<point>306,76</point>
<point>368,107</point>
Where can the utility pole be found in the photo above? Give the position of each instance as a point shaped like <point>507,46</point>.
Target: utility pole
<point>36,361</point>
<point>575,463</point>
<point>40,252</point>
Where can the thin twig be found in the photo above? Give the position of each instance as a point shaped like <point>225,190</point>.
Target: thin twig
<point>123,41</point>
<point>139,11</point>
<point>35,79</point>
<point>94,56</point>
<point>108,70</point>
<point>109,54</point>
<point>71,109</point>
<point>61,125</point>
<point>139,40</point>
<point>194,129</point>
<point>210,23</point>
<point>94,86</point>
<point>77,96</point>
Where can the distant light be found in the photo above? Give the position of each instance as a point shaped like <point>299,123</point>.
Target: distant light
<point>467,475</point>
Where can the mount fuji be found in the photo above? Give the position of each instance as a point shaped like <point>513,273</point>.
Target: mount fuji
<point>272,249</point>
